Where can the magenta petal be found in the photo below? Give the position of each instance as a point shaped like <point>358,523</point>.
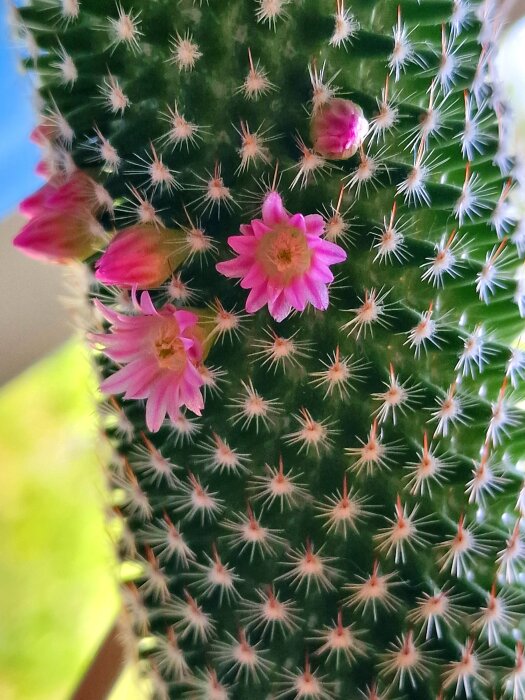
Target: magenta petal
<point>256,299</point>
<point>193,376</point>
<point>253,278</point>
<point>146,305</point>
<point>245,229</point>
<point>297,221</point>
<point>301,291</point>
<point>321,273</point>
<point>232,268</point>
<point>106,312</point>
<point>314,224</point>
<point>260,229</point>
<point>156,405</point>
<point>185,319</point>
<point>133,379</point>
<point>244,245</point>
<point>279,307</point>
<point>273,210</point>
<point>295,296</point>
<point>330,253</point>
<point>318,293</point>
<point>189,396</point>
<point>273,290</point>
<point>195,404</point>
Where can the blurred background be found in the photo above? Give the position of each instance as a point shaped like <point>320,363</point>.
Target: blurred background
<point>59,596</point>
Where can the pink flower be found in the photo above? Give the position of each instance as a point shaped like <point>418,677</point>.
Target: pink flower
<point>57,236</point>
<point>338,129</point>
<point>80,191</point>
<point>37,202</point>
<point>142,255</point>
<point>62,224</point>
<point>159,352</point>
<point>77,192</point>
<point>283,260</point>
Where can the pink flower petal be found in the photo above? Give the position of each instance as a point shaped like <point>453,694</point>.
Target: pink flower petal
<point>297,221</point>
<point>246,230</point>
<point>133,380</point>
<point>156,405</point>
<point>146,305</point>
<point>331,253</point>
<point>295,296</point>
<point>315,224</point>
<point>279,307</point>
<point>254,277</point>
<point>321,273</point>
<point>273,211</point>
<point>260,229</point>
<point>256,299</point>
<point>185,319</point>
<point>233,268</point>
<point>318,293</point>
<point>244,245</point>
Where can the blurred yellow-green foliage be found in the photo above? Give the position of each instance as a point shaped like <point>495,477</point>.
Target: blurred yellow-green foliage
<point>58,596</point>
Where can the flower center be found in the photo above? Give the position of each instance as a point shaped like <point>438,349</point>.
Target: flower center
<point>284,253</point>
<point>170,350</point>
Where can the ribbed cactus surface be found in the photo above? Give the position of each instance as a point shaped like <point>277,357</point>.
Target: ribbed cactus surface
<point>316,482</point>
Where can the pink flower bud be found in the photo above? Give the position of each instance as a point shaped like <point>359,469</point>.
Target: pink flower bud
<point>338,129</point>
<point>36,203</point>
<point>143,256</point>
<point>76,193</point>
<point>60,237</point>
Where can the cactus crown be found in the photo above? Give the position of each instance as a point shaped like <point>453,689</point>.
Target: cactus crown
<point>322,493</point>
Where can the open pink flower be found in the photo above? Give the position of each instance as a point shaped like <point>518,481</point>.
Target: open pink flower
<point>338,129</point>
<point>159,351</point>
<point>283,260</point>
<point>142,256</point>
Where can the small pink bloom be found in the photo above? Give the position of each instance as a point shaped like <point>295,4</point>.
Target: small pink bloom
<point>57,236</point>
<point>160,352</point>
<point>338,129</point>
<point>75,193</point>
<point>79,191</point>
<point>62,224</point>
<point>283,260</point>
<point>142,255</point>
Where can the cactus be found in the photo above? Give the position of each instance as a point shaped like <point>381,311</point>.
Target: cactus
<point>305,298</point>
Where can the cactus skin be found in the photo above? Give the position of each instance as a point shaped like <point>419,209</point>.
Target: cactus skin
<point>424,496</point>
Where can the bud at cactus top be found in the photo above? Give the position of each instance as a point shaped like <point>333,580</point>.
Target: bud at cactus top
<point>338,129</point>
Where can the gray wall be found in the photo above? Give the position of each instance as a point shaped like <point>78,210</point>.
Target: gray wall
<point>32,321</point>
